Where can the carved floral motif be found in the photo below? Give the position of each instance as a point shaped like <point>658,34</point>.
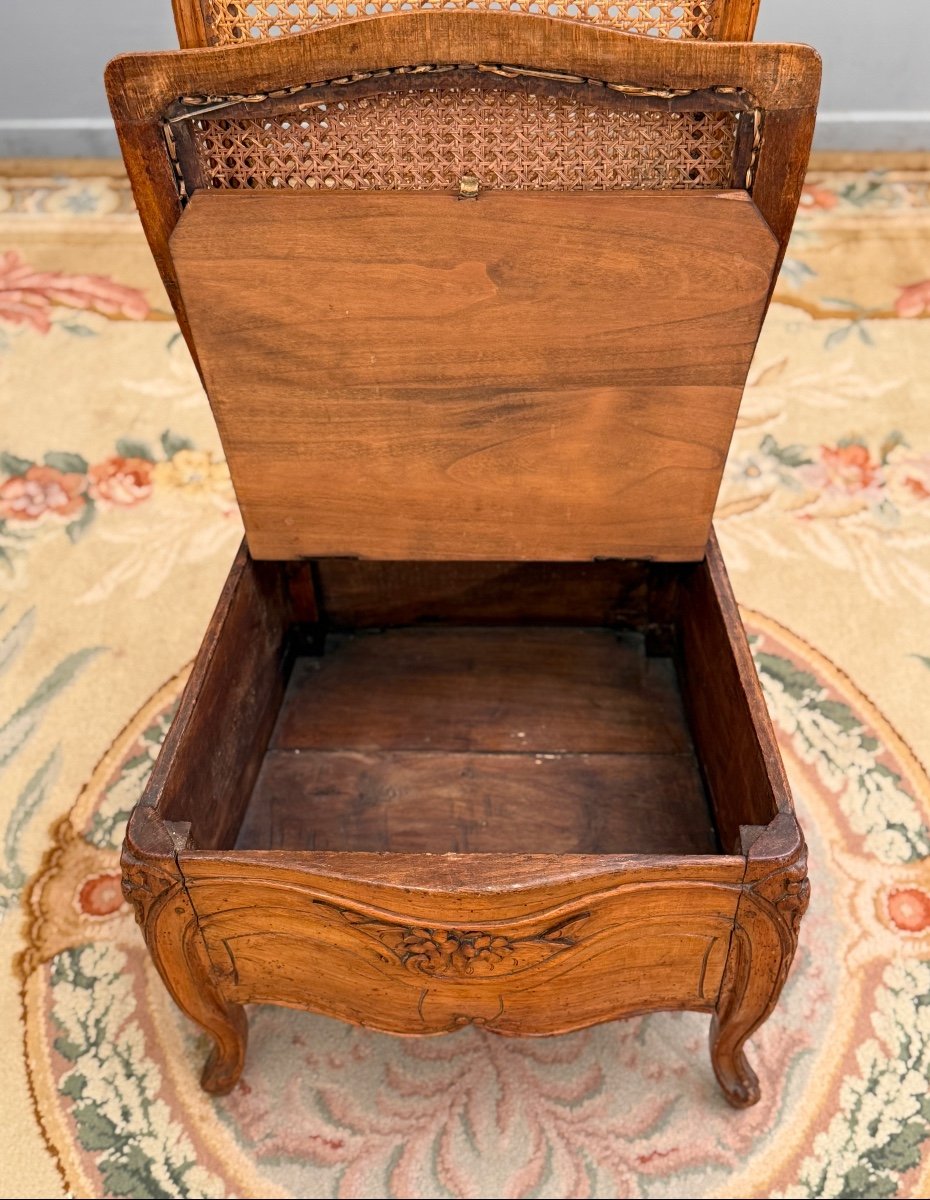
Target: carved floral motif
<point>142,884</point>
<point>789,890</point>
<point>438,950</point>
<point>462,954</point>
<point>793,902</point>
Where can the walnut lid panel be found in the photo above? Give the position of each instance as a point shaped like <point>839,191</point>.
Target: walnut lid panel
<point>414,377</point>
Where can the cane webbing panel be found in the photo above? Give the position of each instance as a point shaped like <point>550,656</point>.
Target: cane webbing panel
<point>229,21</point>
<point>508,137</point>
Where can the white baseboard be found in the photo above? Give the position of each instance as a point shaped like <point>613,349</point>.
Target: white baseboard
<point>882,129</point>
<point>58,137</point>
<point>93,137</point>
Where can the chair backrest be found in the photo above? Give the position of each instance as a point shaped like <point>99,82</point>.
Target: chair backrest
<point>549,371</point>
<point>408,103</point>
<point>228,22</point>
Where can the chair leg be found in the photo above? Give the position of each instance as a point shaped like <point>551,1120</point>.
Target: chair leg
<point>175,942</point>
<point>224,1064</point>
<point>764,940</point>
<point>729,1029</point>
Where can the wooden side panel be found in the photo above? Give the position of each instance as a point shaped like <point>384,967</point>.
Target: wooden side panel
<point>404,376</point>
<point>531,965</point>
<point>214,749</point>
<point>353,594</point>
<point>732,731</point>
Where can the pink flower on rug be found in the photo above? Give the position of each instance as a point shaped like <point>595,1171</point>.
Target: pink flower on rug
<point>27,296</point>
<point>100,895</point>
<point>121,481</point>
<point>814,196</point>
<point>40,491</point>
<point>908,476</point>
<point>846,474</point>
<point>914,299</point>
<point>909,909</point>
<point>849,468</point>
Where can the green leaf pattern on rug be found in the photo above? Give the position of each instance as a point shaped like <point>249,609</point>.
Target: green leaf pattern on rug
<point>108,823</point>
<point>18,728</point>
<point>827,734</point>
<point>114,1087</point>
<point>29,801</point>
<point>15,732</point>
<point>884,1117</point>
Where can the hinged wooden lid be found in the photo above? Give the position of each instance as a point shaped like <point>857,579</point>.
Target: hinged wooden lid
<point>542,362</point>
<point>525,375</point>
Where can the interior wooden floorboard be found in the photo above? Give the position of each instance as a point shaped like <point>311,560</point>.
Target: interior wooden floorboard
<point>516,739</point>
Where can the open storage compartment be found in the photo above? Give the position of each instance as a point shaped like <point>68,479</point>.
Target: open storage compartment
<point>471,707</point>
<point>418,796</point>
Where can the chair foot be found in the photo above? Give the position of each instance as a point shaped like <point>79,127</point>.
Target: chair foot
<point>737,1079</point>
<point>224,1064</point>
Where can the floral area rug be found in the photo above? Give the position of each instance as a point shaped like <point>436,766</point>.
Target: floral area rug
<point>117,527</point>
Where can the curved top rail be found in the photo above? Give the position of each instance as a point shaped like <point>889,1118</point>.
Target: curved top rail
<point>778,75</point>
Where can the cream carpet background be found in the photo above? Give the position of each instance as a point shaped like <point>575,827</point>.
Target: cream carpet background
<point>117,527</point>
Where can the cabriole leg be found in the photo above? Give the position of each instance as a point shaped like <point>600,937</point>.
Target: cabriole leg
<point>764,941</point>
<point>169,923</point>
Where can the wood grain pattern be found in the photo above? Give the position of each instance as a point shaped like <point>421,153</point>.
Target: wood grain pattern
<point>359,595</point>
<point>154,885</point>
<point>782,80</point>
<point>190,23</point>
<point>230,705</point>
<point>583,691</point>
<point>744,772</point>
<point>441,802</point>
<point>562,950</point>
<point>485,740</point>
<point>773,899</point>
<point>777,75</point>
<point>441,405</point>
<point>737,20</point>
<point>624,952</point>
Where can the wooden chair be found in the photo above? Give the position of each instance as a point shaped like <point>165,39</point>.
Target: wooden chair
<point>475,336</point>
<point>231,22</point>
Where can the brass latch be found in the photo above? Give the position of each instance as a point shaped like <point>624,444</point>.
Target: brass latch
<point>468,188</point>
